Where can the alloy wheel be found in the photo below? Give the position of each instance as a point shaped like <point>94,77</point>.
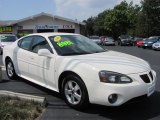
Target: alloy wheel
<point>10,69</point>
<point>73,92</point>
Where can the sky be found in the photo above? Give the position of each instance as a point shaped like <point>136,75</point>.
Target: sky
<point>73,9</point>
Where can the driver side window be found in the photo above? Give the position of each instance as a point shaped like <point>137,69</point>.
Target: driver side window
<point>40,43</point>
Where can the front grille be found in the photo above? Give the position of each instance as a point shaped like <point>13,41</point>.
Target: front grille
<point>145,78</point>
<point>151,75</point>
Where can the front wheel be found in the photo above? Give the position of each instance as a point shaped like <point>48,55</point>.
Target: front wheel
<point>10,70</point>
<point>74,92</point>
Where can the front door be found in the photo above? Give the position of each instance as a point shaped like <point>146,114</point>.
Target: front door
<point>41,69</point>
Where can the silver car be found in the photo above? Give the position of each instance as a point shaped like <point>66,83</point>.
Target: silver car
<point>109,41</point>
<point>95,39</point>
<point>156,46</point>
<point>6,39</point>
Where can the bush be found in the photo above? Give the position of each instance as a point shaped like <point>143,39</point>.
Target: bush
<point>12,108</point>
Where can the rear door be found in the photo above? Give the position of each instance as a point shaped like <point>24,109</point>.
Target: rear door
<point>22,55</point>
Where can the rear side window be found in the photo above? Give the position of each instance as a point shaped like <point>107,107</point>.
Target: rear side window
<point>25,43</point>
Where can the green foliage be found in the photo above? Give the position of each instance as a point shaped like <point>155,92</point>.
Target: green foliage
<point>89,25</point>
<point>17,109</point>
<point>117,21</point>
<point>149,18</point>
<point>142,21</point>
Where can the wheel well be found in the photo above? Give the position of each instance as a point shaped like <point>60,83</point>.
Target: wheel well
<point>7,58</point>
<point>63,75</point>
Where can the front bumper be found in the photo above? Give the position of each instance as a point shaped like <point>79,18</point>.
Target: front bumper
<point>125,92</point>
<point>147,44</point>
<point>126,43</point>
<point>156,47</point>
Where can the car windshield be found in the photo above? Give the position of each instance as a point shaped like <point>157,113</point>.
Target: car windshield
<point>8,38</point>
<point>74,45</point>
<point>109,38</point>
<point>153,38</point>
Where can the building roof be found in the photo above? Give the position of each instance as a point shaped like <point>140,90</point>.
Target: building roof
<point>6,22</point>
<point>9,23</point>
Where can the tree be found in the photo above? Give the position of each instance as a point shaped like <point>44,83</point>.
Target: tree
<point>142,21</point>
<point>99,28</point>
<point>150,18</point>
<point>116,22</point>
<point>89,26</point>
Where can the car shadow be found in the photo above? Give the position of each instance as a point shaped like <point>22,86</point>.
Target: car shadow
<point>146,109</point>
<point>41,88</point>
<point>4,81</point>
<point>142,110</point>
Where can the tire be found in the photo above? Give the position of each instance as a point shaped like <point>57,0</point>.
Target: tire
<point>74,92</point>
<point>1,51</point>
<point>10,69</point>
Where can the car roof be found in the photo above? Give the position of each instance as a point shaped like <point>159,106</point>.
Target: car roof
<point>52,34</point>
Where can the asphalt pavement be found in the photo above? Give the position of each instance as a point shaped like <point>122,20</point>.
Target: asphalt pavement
<point>58,110</point>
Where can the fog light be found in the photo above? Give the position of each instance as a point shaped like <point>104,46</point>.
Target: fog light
<point>112,98</point>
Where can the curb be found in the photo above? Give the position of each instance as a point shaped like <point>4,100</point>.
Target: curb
<point>24,96</point>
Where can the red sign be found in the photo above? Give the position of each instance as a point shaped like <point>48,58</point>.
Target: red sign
<point>68,26</point>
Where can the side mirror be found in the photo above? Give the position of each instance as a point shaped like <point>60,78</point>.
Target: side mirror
<point>45,53</point>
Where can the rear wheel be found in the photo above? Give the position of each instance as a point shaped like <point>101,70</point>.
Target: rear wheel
<point>1,51</point>
<point>10,69</point>
<point>74,92</point>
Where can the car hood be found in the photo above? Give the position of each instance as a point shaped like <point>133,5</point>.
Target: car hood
<point>151,41</point>
<point>113,61</point>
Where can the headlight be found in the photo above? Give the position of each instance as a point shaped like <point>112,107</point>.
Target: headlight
<point>113,77</point>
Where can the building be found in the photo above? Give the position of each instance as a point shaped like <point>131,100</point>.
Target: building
<point>42,22</point>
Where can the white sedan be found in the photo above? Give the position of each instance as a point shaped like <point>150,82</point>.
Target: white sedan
<point>156,46</point>
<point>79,69</point>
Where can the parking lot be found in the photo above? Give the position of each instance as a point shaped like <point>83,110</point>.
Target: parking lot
<point>58,110</point>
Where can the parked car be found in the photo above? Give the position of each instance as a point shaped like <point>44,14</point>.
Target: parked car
<point>156,46</point>
<point>109,41</point>
<point>95,39</point>
<point>140,41</point>
<point>82,71</point>
<point>150,41</point>
<point>6,39</point>
<point>125,40</point>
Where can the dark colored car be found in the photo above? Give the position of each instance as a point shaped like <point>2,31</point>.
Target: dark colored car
<point>150,41</point>
<point>125,40</point>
